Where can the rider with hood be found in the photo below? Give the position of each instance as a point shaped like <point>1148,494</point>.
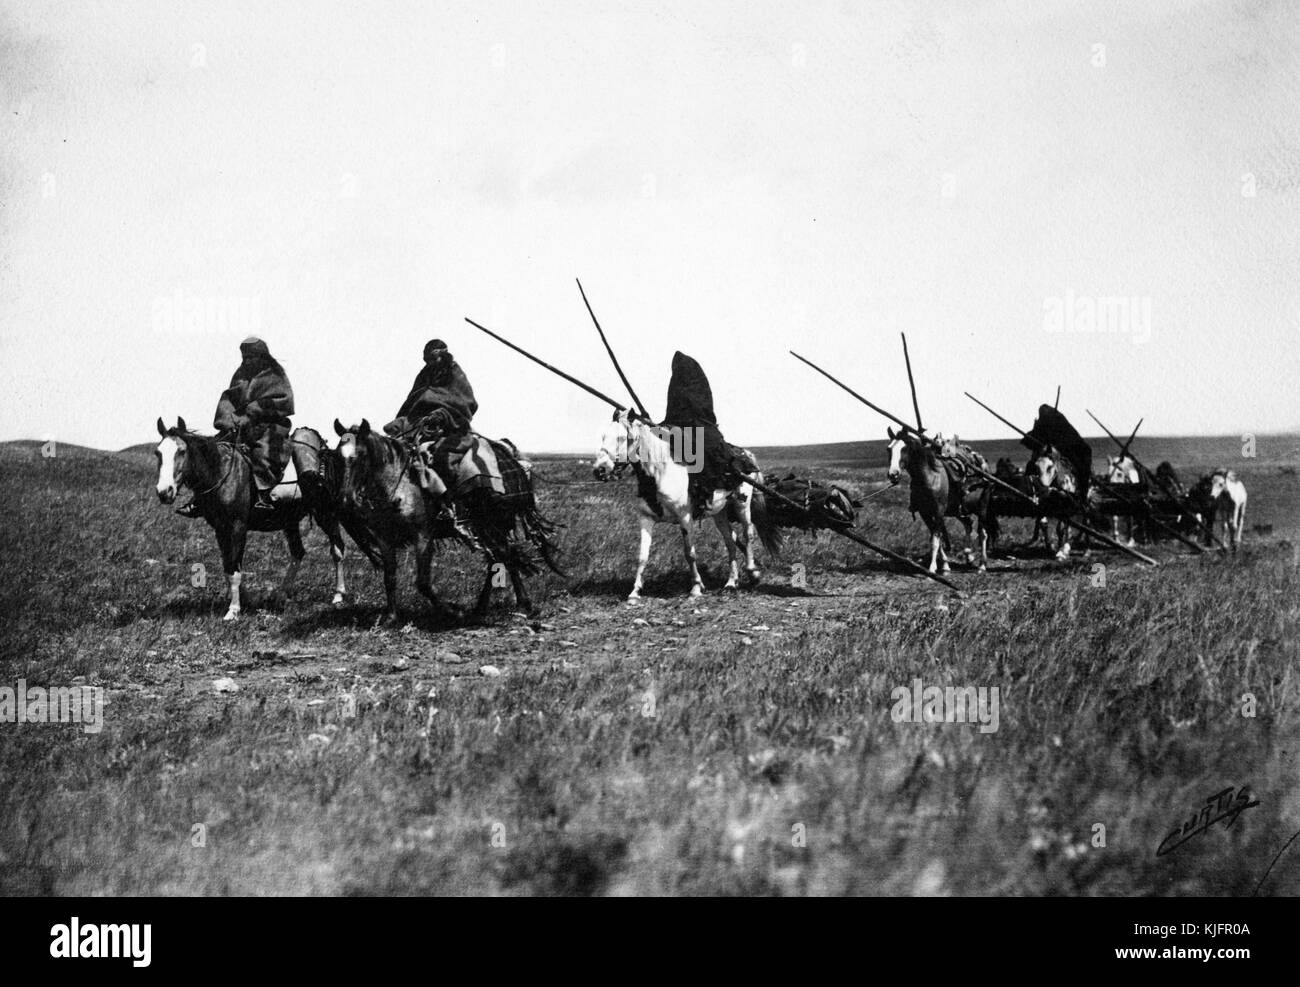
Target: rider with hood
<point>436,415</point>
<point>256,409</point>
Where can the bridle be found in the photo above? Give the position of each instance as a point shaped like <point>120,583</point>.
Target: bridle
<point>408,450</point>
<point>235,447</point>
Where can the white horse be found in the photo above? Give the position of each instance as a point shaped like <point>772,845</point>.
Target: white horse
<point>1228,500</point>
<point>629,440</point>
<point>1122,470</point>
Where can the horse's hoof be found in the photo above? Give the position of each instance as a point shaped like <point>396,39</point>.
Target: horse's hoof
<point>634,597</point>
<point>755,576</point>
<point>696,592</point>
<point>732,585</point>
<point>231,615</point>
<point>339,602</point>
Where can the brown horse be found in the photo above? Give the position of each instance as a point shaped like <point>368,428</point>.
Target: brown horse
<point>217,471</point>
<point>939,491</point>
<point>381,498</point>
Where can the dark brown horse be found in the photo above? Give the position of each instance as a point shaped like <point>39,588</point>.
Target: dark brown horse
<point>939,490</point>
<point>380,496</point>
<point>217,471</point>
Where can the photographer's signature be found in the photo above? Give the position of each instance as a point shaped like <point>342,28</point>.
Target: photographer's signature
<point>1217,807</point>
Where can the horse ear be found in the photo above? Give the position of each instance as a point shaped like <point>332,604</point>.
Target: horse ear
<point>339,430</point>
<point>180,424</point>
<point>889,430</point>
<point>162,429</point>
<point>365,427</point>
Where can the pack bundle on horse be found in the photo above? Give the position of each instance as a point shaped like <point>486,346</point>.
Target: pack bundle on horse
<point>381,493</point>
<point>220,475</point>
<point>808,505</point>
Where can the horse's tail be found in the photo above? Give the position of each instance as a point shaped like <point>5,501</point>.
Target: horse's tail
<point>767,530</point>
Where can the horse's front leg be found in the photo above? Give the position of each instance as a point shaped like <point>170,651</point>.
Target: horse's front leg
<point>728,539</point>
<point>424,546</point>
<point>984,543</point>
<point>688,550</point>
<point>233,561</point>
<point>1063,533</point>
<point>647,536</point>
<point>748,535</point>
<point>390,583</point>
<point>338,551</point>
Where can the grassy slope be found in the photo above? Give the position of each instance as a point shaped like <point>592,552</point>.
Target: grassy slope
<point>354,760</point>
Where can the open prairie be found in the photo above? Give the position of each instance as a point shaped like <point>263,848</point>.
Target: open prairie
<point>746,742</point>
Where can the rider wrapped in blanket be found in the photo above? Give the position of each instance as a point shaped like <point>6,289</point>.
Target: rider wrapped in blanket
<point>437,414</point>
<point>716,463</point>
<point>256,407</point>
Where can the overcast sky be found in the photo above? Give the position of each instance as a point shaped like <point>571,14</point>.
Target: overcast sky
<point>729,179</point>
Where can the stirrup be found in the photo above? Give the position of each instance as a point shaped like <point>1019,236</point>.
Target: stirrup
<point>448,514</point>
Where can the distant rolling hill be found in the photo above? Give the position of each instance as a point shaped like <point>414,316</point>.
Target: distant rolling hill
<point>1194,452</point>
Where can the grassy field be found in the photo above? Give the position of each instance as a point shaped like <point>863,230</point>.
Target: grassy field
<point>738,744</point>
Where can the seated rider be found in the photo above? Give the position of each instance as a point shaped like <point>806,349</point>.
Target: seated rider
<point>436,416</point>
<point>254,411</point>
<point>716,464</point>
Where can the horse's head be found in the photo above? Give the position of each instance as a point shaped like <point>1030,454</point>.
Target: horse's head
<point>1219,481</point>
<point>1044,470</point>
<point>896,445</point>
<point>615,439</point>
<point>352,440</point>
<point>1122,469</point>
<point>170,455</point>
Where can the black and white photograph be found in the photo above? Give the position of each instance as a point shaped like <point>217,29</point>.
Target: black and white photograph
<point>650,448</point>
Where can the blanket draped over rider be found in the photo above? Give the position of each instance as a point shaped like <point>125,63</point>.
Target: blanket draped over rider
<point>690,406</point>
<point>1054,429</point>
<point>257,406</point>
<point>441,406</point>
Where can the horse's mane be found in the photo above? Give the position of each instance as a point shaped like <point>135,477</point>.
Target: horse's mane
<point>206,449</point>
<point>655,451</point>
<point>377,451</point>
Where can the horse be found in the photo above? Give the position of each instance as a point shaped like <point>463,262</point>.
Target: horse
<point>381,497</point>
<point>320,481</point>
<point>1051,479</point>
<point>217,471</point>
<point>1123,471</point>
<point>1220,495</point>
<point>630,440</point>
<point>940,489</point>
